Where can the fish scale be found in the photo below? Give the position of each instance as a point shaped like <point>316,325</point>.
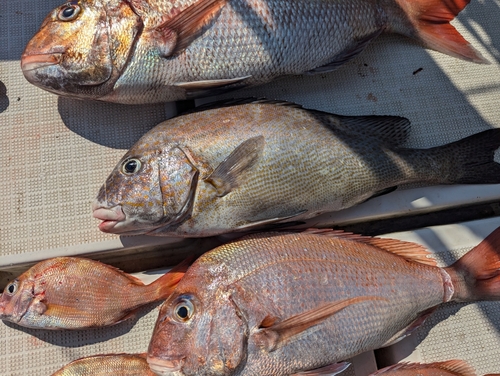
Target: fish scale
<point>145,51</point>
<point>77,293</point>
<point>252,305</point>
<point>240,166</point>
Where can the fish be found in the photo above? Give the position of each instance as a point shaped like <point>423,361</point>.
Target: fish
<point>79,293</point>
<point>104,365</point>
<point>249,163</point>
<point>289,303</point>
<point>150,51</point>
<point>447,368</point>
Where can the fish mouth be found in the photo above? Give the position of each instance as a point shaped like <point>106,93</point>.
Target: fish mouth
<point>164,367</point>
<point>110,217</point>
<point>34,62</point>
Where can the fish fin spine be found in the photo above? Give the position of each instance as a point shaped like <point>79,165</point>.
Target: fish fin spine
<point>428,21</point>
<point>476,276</point>
<point>410,251</point>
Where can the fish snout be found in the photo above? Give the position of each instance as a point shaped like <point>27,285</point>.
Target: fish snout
<point>110,217</point>
<point>31,63</point>
<point>165,367</point>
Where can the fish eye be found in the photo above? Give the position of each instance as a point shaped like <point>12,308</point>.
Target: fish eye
<point>131,166</point>
<point>183,310</point>
<point>11,288</point>
<point>69,12</point>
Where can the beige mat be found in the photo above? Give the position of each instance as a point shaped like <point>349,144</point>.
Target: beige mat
<point>56,152</point>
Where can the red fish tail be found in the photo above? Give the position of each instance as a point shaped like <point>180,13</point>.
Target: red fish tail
<point>476,276</point>
<point>428,21</point>
<point>165,285</point>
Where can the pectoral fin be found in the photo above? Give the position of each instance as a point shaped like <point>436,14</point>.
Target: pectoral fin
<point>61,312</point>
<point>231,172</point>
<point>189,23</point>
<point>330,370</point>
<point>277,334</point>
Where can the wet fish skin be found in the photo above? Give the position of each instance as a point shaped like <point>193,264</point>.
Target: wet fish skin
<point>275,304</point>
<point>105,365</point>
<point>255,163</point>
<point>78,293</point>
<point>446,368</point>
<point>146,51</point>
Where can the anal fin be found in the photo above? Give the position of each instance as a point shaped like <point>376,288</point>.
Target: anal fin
<point>405,332</point>
<point>270,221</point>
<point>346,55</point>
<point>329,370</point>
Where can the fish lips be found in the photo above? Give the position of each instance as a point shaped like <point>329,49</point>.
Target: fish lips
<point>30,63</point>
<point>165,367</point>
<point>110,217</point>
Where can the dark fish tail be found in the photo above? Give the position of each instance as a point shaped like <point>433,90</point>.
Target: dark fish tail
<point>428,21</point>
<point>476,276</point>
<point>468,161</point>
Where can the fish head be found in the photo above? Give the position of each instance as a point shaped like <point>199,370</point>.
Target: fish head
<point>16,299</point>
<point>151,187</point>
<point>82,47</point>
<point>199,331</point>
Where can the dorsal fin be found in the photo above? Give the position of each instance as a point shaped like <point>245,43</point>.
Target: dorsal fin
<point>410,251</point>
<point>392,130</point>
<point>458,367</point>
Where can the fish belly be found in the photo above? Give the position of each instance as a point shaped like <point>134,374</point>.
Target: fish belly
<point>300,277</point>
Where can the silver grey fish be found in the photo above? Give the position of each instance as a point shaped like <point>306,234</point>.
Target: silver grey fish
<point>144,51</point>
<point>242,166</point>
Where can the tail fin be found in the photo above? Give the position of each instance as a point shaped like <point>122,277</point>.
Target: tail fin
<point>476,276</point>
<point>165,285</point>
<point>429,22</point>
<point>470,160</point>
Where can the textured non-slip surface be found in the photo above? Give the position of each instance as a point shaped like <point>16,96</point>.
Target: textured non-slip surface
<point>56,152</point>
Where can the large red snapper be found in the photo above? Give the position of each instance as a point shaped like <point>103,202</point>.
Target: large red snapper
<point>274,304</point>
<point>144,51</point>
<point>255,163</point>
<point>77,293</point>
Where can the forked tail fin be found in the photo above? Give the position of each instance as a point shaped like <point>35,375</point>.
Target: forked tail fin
<point>165,285</point>
<point>476,276</point>
<point>428,21</point>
